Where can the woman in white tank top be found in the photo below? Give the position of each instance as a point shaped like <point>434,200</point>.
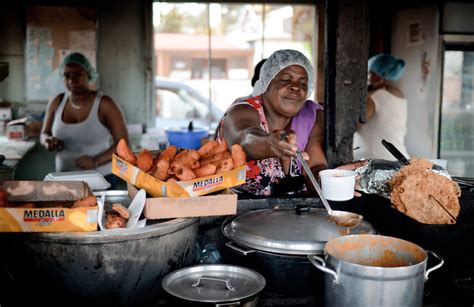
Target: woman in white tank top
<point>82,126</point>
<point>386,111</point>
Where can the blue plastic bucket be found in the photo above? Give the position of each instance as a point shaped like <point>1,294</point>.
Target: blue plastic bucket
<point>183,138</point>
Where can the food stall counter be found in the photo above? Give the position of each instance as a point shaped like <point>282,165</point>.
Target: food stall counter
<point>12,151</point>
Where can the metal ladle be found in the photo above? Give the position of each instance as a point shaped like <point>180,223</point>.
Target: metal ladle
<point>340,218</point>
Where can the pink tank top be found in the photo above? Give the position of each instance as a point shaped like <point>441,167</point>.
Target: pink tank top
<point>263,176</point>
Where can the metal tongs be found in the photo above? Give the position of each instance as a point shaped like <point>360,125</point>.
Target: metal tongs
<point>340,218</point>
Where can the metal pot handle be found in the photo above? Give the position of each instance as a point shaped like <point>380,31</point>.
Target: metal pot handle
<point>238,249</point>
<point>321,264</point>
<point>441,262</point>
<point>227,304</point>
<point>225,281</point>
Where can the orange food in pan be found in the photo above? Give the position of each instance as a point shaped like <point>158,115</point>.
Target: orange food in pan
<point>424,195</point>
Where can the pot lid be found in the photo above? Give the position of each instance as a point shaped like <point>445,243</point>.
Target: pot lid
<point>214,283</point>
<point>288,231</point>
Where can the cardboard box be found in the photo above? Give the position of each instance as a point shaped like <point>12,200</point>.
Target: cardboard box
<point>223,203</point>
<point>46,219</point>
<point>16,129</point>
<point>195,187</point>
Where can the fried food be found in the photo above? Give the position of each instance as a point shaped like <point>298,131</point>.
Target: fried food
<point>206,148</point>
<point>206,170</point>
<point>114,220</point>
<point>187,154</point>
<point>220,147</point>
<point>238,155</point>
<point>168,153</point>
<point>121,210</point>
<point>185,159</point>
<point>187,164</point>
<point>416,165</point>
<point>88,201</point>
<point>125,152</point>
<point>162,168</point>
<point>424,195</point>
<point>190,163</point>
<point>117,217</point>
<point>145,160</point>
<point>215,159</point>
<point>185,173</point>
<point>225,165</point>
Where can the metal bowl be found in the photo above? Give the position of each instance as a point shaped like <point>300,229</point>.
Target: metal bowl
<point>98,267</point>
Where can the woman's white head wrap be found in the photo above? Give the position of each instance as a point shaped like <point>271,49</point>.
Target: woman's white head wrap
<point>280,60</point>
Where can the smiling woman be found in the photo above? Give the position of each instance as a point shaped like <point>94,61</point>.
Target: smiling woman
<point>276,122</point>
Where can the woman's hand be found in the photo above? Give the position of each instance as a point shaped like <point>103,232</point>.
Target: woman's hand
<point>54,144</point>
<point>86,162</point>
<point>352,166</point>
<point>283,144</point>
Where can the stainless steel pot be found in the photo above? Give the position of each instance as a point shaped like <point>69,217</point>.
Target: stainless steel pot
<point>101,267</point>
<point>216,285</point>
<point>374,270</point>
<point>275,242</point>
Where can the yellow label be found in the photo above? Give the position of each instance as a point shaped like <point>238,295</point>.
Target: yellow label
<point>208,184</point>
<point>196,187</point>
<point>48,219</point>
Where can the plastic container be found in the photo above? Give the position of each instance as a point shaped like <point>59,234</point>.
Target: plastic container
<point>94,179</point>
<point>182,137</point>
<point>337,185</point>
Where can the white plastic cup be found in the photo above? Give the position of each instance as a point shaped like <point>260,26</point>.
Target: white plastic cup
<point>337,184</point>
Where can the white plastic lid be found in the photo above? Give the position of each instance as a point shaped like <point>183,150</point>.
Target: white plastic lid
<point>94,179</point>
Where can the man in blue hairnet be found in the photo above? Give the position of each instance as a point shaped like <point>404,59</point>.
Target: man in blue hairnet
<point>386,110</point>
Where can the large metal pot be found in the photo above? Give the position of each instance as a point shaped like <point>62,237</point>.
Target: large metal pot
<point>275,242</point>
<point>100,267</point>
<point>215,285</point>
<point>373,270</point>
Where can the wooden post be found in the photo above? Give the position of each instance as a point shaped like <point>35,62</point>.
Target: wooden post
<point>346,54</point>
